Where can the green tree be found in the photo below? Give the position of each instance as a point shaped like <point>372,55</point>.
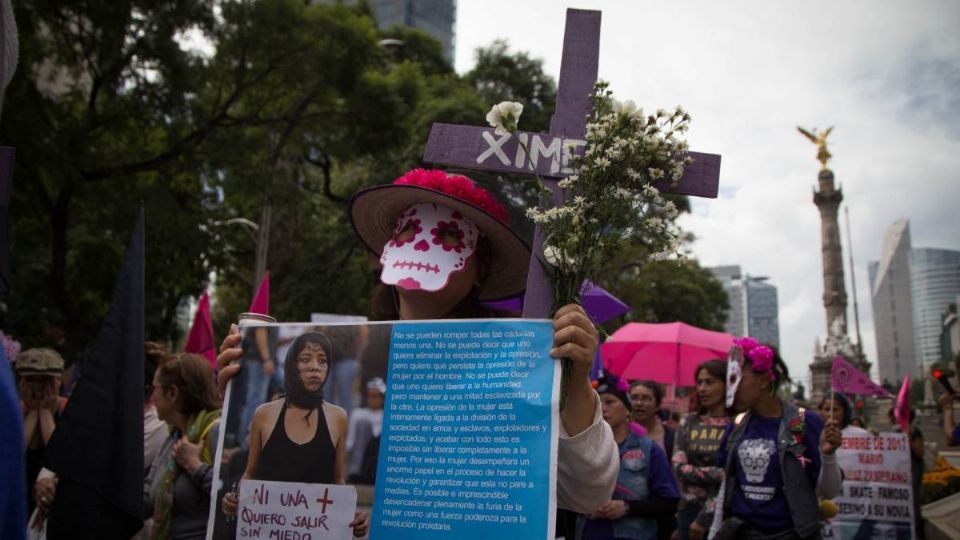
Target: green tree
<point>500,75</point>
<point>666,291</point>
<point>102,115</point>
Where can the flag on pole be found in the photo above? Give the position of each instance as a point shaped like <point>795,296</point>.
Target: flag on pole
<point>97,448</point>
<point>850,380</point>
<point>200,340</point>
<point>902,409</point>
<point>261,302</point>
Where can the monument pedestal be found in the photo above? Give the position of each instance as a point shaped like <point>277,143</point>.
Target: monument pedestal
<point>821,370</point>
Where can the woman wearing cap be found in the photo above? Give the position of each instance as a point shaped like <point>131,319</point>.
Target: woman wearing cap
<point>446,247</point>
<point>300,437</point>
<point>40,371</point>
<point>697,440</point>
<point>777,458</point>
<point>363,436</point>
<point>646,488</point>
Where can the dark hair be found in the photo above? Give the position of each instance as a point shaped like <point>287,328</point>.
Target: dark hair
<point>717,369</point>
<point>154,354</point>
<point>384,305</point>
<point>193,376</point>
<point>653,386</point>
<point>611,385</point>
<point>846,416</point>
<point>892,414</point>
<point>296,391</point>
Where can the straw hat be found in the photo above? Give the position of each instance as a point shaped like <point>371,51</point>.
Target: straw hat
<point>374,212</point>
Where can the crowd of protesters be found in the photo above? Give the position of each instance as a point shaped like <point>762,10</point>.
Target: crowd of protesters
<point>627,468</point>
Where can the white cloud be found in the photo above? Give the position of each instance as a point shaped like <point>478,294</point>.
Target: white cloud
<point>886,74</point>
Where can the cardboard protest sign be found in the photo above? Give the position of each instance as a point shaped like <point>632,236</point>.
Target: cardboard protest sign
<point>877,496</point>
<point>290,511</point>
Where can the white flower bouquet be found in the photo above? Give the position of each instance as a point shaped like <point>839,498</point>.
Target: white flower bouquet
<point>610,199</point>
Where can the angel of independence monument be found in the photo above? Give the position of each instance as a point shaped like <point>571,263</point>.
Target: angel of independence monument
<point>481,148</point>
<point>828,198</point>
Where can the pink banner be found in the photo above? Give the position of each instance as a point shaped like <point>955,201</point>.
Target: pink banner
<point>850,380</point>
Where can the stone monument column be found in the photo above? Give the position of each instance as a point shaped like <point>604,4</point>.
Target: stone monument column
<point>828,200</point>
<point>828,197</point>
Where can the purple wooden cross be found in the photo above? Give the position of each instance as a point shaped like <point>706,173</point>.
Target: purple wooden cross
<point>481,148</point>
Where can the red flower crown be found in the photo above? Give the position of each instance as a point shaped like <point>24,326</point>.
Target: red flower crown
<point>458,187</point>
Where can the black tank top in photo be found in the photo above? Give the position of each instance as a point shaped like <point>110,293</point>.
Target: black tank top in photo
<point>283,460</point>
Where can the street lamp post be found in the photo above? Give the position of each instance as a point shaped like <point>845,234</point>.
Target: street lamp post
<point>261,238</point>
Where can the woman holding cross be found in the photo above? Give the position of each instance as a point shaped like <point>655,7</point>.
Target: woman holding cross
<point>446,247</point>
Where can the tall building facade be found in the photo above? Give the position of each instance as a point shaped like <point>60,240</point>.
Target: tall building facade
<point>763,320</point>
<point>893,305</point>
<point>911,288</point>
<point>754,310</point>
<point>934,284</point>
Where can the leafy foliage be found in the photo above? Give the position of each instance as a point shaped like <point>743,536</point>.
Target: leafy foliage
<point>206,112</point>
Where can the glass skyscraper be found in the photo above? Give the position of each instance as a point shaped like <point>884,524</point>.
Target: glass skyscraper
<point>754,309</point>
<point>911,288</point>
<point>934,284</point>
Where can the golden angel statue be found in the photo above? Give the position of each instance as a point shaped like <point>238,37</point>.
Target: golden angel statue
<point>819,138</point>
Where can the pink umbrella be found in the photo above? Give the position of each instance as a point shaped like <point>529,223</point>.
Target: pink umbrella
<point>667,353</point>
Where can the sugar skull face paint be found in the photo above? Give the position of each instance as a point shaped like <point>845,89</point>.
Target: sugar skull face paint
<point>429,244</point>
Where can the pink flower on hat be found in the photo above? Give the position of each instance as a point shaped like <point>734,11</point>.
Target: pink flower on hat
<point>747,344</point>
<point>760,356</point>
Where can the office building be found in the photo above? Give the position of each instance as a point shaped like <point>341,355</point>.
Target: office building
<point>753,304</point>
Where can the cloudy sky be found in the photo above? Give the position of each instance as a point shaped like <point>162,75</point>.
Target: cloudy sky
<point>886,74</point>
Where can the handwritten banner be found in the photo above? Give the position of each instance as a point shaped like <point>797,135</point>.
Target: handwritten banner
<point>292,511</point>
<point>469,442</point>
<point>877,496</point>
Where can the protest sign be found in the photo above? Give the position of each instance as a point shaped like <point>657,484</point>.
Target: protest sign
<point>877,496</point>
<point>292,511</point>
<point>469,441</point>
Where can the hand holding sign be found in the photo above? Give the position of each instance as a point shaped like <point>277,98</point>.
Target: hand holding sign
<point>830,437</point>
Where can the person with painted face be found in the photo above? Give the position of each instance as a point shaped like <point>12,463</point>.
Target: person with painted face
<point>300,437</point>
<point>697,441</point>
<point>777,458</point>
<point>646,488</point>
<point>446,248</point>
